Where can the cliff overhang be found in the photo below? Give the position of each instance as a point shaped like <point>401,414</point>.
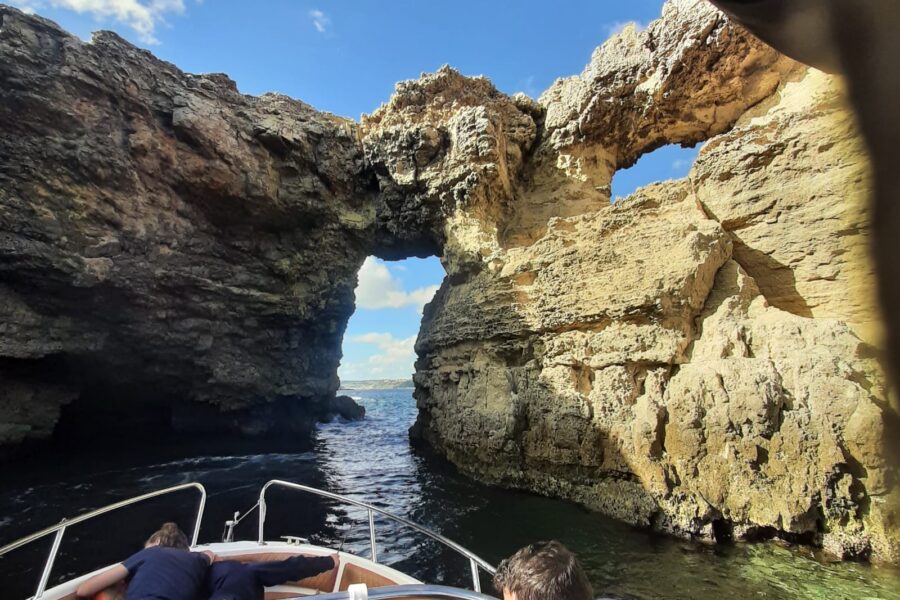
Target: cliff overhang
<point>698,358</point>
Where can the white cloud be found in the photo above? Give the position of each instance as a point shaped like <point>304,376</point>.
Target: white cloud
<point>681,164</point>
<point>392,348</point>
<point>394,360</point>
<point>142,16</point>
<point>618,27</point>
<point>319,20</point>
<point>377,289</point>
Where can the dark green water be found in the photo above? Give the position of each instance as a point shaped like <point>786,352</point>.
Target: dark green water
<point>372,460</point>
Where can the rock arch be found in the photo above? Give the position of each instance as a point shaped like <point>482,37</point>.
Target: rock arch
<point>166,237</point>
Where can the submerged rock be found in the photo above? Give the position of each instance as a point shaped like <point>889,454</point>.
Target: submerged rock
<point>699,358</point>
<point>346,408</point>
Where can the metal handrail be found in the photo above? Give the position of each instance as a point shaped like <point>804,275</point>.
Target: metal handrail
<point>475,562</point>
<point>60,528</point>
<point>411,591</point>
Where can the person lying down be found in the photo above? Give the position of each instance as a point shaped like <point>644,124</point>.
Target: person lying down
<point>166,569</point>
<point>234,580</point>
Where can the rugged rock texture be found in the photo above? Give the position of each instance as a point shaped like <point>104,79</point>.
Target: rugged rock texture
<point>790,184</point>
<point>162,240</point>
<point>700,357</point>
<point>697,358</point>
<point>346,408</point>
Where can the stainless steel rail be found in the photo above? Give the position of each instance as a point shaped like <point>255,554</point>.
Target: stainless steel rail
<point>60,528</point>
<point>411,591</point>
<point>475,562</point>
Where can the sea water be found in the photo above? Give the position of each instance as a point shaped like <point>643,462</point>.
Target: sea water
<point>372,460</point>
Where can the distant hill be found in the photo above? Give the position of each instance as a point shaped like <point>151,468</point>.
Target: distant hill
<point>377,384</point>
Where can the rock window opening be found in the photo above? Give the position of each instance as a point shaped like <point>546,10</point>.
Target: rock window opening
<point>379,342</point>
<point>667,162</point>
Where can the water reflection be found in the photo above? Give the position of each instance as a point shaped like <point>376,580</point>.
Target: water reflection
<point>372,461</point>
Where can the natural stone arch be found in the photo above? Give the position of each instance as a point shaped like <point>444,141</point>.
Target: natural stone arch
<point>625,357</point>
<point>576,347</point>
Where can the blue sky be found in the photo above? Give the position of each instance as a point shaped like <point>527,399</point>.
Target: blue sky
<point>344,57</point>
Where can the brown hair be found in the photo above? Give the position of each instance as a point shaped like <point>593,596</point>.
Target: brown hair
<point>543,571</point>
<point>170,536</point>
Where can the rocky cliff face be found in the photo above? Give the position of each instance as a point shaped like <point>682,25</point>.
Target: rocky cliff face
<point>699,357</point>
<point>162,241</point>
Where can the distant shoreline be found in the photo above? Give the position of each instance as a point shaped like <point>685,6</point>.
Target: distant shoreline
<point>377,384</point>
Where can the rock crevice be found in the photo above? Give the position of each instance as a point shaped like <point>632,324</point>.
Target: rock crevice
<point>697,358</point>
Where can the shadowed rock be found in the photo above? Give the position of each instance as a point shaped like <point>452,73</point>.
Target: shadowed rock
<point>346,408</point>
<point>698,358</point>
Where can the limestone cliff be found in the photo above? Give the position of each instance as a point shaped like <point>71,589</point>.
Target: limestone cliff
<point>700,357</point>
<point>696,358</point>
<point>162,241</point>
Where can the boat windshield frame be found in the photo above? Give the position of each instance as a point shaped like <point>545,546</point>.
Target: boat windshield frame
<point>475,561</point>
<point>60,528</point>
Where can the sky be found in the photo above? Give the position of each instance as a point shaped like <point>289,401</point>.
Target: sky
<point>344,57</point>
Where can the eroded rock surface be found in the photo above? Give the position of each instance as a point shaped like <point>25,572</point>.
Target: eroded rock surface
<point>697,358</point>
<point>700,357</point>
<point>163,237</point>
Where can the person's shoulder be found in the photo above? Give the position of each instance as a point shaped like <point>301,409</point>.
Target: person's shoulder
<point>200,557</point>
<point>166,553</point>
<point>137,558</point>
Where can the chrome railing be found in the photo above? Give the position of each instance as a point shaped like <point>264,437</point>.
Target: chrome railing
<point>475,562</point>
<point>60,528</point>
<point>411,591</point>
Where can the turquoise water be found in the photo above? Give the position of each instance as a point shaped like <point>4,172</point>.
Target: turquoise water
<point>372,460</point>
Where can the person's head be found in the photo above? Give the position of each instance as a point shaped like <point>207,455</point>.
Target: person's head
<point>169,536</point>
<point>542,571</point>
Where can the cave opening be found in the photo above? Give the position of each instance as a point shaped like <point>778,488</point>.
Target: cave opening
<point>666,162</point>
<point>379,342</point>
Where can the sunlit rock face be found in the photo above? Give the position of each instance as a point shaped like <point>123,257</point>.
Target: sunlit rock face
<point>699,358</point>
